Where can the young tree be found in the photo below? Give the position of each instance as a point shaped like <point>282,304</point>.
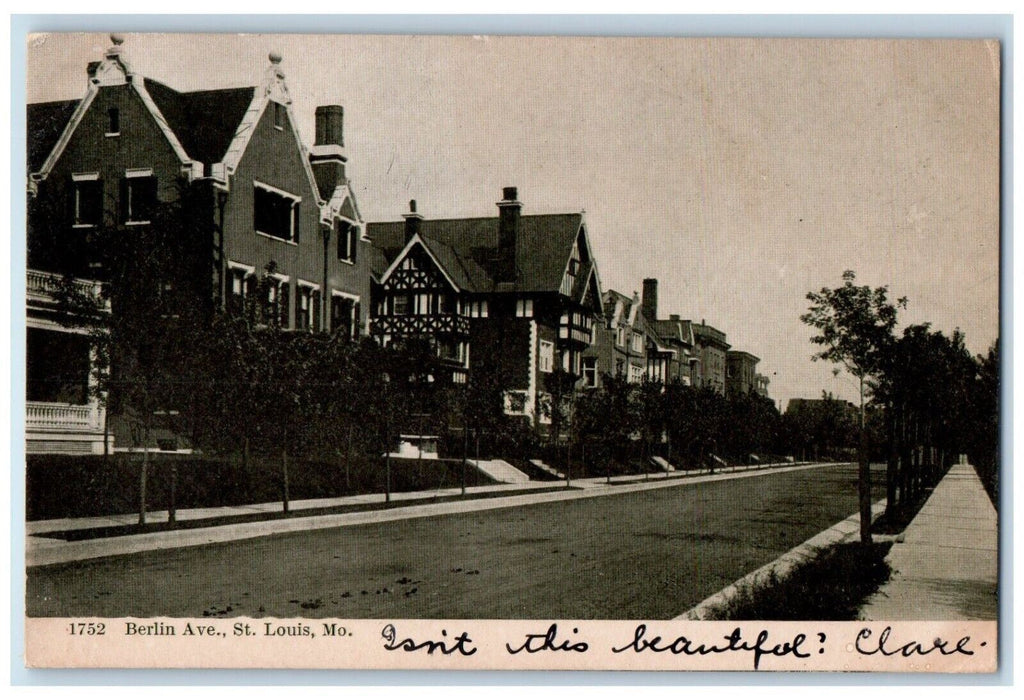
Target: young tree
<point>855,330</point>
<point>143,322</point>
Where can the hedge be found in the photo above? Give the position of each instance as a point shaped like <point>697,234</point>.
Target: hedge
<point>73,486</point>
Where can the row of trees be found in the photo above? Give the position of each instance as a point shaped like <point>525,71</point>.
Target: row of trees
<point>933,398</point>
<point>237,384</point>
<point>686,425</point>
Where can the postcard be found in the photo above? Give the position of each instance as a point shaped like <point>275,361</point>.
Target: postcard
<point>480,352</point>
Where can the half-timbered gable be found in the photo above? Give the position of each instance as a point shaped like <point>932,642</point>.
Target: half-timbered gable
<point>526,288</point>
<point>419,297</point>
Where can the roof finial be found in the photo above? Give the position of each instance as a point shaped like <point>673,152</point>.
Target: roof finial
<point>117,39</point>
<point>274,86</point>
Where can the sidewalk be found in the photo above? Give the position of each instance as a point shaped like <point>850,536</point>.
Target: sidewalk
<point>947,567</point>
<point>39,527</point>
<point>40,550</point>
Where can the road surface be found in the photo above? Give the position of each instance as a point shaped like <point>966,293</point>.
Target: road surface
<point>645,555</point>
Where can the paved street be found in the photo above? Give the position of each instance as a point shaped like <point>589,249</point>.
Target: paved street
<point>644,554</point>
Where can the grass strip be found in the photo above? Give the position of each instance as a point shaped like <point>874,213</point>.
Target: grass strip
<point>831,585</point>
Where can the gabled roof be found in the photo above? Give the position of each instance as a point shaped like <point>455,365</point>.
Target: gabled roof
<point>209,127</point>
<point>45,122</point>
<point>205,121</point>
<point>543,245</point>
<point>464,271</point>
<point>674,330</point>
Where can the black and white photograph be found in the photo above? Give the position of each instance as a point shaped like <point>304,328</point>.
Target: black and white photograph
<point>679,352</point>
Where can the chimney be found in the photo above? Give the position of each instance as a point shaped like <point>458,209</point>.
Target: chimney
<point>508,226</point>
<point>650,299</point>
<point>412,221</point>
<point>328,155</point>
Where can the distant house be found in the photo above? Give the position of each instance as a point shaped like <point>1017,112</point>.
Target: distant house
<point>674,351</point>
<point>266,209</point>
<point>620,347</point>
<point>627,345</point>
<point>514,295</point>
<point>711,347</point>
<point>741,375</point>
<point>761,382</point>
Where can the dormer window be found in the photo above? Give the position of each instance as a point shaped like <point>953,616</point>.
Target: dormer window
<point>113,122</point>
<point>275,213</point>
<point>138,196</point>
<point>87,207</point>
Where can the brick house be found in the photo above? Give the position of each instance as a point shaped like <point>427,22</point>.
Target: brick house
<point>627,345</point>
<point>711,346</point>
<point>741,375</point>
<point>265,205</point>
<point>675,338</point>
<point>513,294</point>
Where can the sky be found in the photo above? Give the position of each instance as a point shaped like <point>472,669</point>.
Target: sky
<point>741,173</point>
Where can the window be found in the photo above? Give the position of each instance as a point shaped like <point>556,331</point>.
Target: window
<point>241,285</point>
<point>424,304</point>
<point>515,402</point>
<point>307,308</point>
<point>546,356</point>
<point>138,196</point>
<point>348,237</point>
<point>276,303</point>
<point>57,367</point>
<point>87,208</point>
<point>571,362</point>
<point>275,213</point>
<point>620,336</point>
<point>524,308</point>
<point>544,408</point>
<point>344,315</point>
<point>638,342</point>
<point>400,305</point>
<point>476,309</point>
<point>636,374</point>
<point>113,122</point>
<point>590,371</point>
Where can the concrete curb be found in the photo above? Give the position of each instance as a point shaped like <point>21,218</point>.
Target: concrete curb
<point>40,551</point>
<point>842,531</point>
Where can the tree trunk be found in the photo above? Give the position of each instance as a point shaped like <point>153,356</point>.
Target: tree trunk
<point>465,455</point>
<point>172,510</point>
<point>891,464</point>
<point>144,474</point>
<point>905,470</point>
<point>348,456</point>
<point>864,476</point>
<point>284,476</point>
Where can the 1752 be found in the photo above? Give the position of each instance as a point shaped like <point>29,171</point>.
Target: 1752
<point>87,629</point>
